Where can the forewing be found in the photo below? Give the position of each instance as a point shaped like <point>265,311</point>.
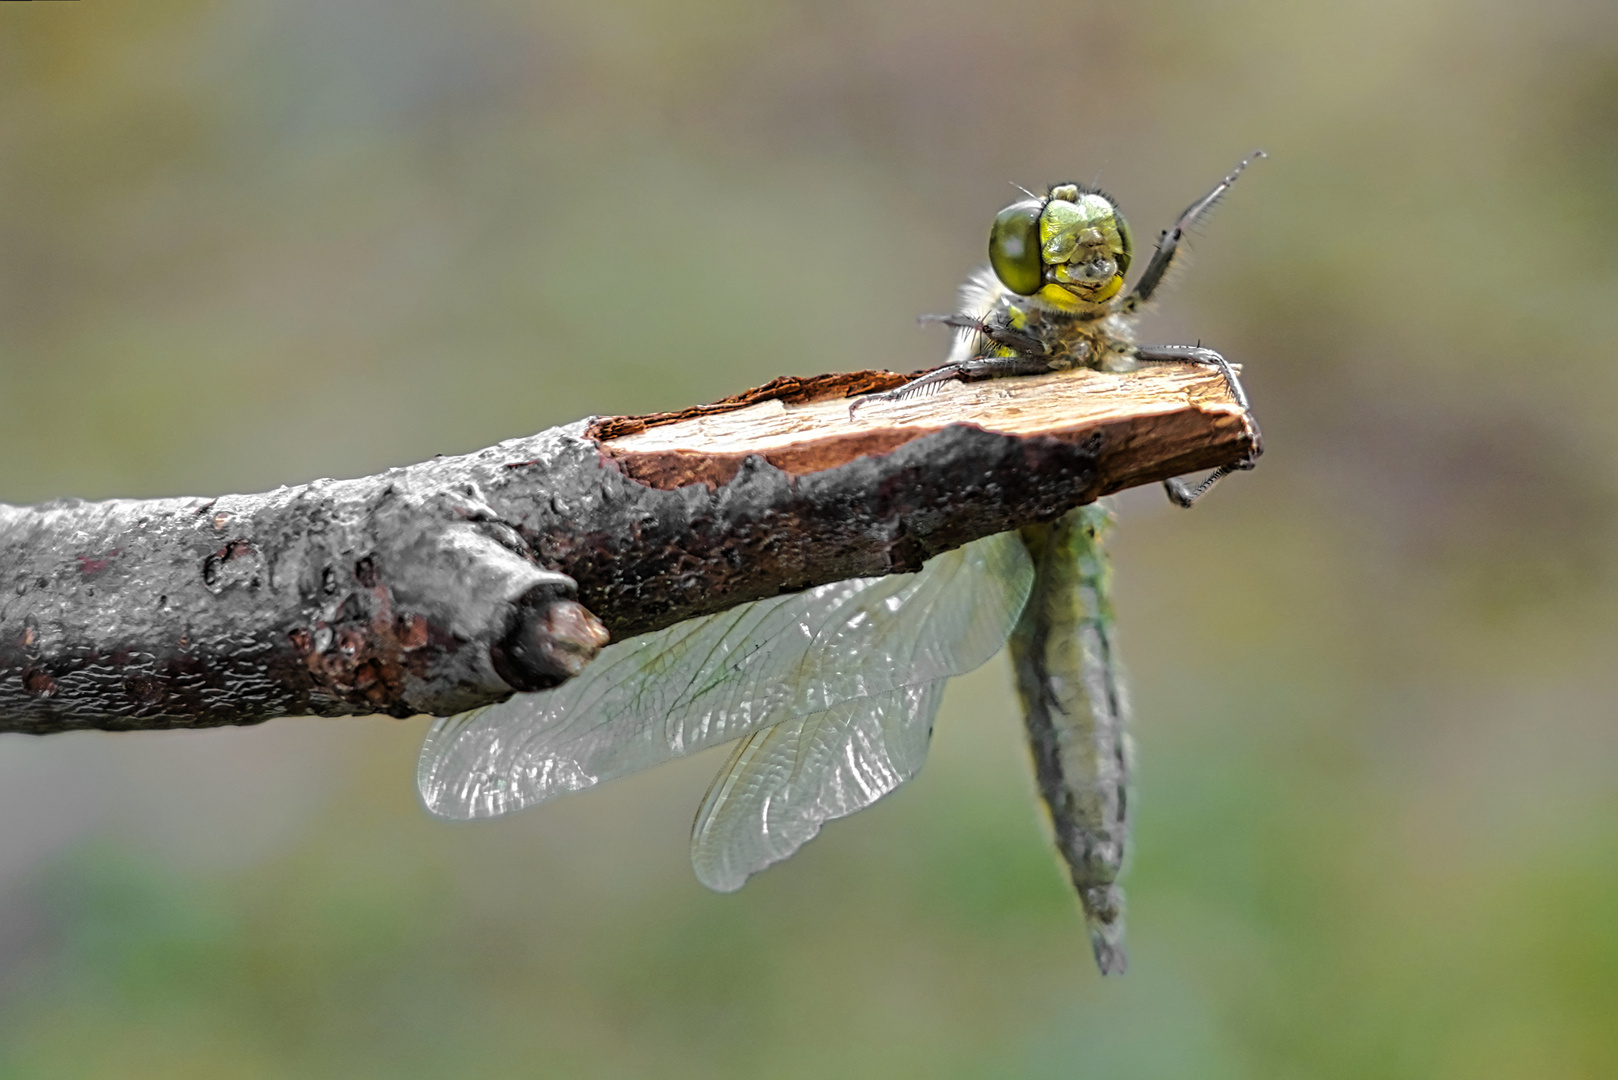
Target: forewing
<point>781,784</point>
<point>710,680</point>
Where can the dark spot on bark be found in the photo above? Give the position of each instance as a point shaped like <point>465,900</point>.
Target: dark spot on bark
<point>366,573</point>
<point>366,652</point>
<point>328,581</point>
<point>411,631</point>
<point>90,567</point>
<point>350,640</point>
<point>234,564</point>
<point>144,689</point>
<point>38,683</point>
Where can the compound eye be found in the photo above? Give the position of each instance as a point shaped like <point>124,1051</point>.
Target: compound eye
<point>1014,247</point>
<point>1125,240</point>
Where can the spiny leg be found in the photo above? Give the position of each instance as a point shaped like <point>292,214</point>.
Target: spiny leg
<point>1195,354</point>
<point>1015,340</point>
<point>1180,493</point>
<point>1185,496</point>
<point>1170,241</point>
<point>1027,358</point>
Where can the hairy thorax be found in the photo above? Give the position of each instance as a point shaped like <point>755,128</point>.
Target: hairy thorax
<point>1073,334</point>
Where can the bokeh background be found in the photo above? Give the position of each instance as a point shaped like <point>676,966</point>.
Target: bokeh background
<point>247,243</point>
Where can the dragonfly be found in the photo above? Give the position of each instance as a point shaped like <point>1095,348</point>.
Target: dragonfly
<point>829,694</point>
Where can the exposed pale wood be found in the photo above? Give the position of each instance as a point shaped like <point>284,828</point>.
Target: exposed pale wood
<point>1160,421</point>
<point>1033,405</point>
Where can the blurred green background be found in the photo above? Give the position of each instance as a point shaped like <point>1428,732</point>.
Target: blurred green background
<point>246,244</point>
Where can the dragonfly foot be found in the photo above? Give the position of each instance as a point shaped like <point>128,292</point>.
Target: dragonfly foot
<point>1184,495</point>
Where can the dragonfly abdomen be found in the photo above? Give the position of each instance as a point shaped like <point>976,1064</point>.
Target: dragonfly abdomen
<point>1075,711</point>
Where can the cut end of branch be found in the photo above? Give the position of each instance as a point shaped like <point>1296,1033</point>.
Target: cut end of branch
<point>551,639</point>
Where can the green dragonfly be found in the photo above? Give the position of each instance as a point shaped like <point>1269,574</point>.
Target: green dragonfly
<point>830,694</point>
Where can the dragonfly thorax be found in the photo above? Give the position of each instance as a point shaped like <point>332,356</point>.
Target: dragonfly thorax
<point>1064,333</point>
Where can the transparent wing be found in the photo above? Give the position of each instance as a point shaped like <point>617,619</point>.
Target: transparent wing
<point>710,680</point>
<point>784,782</point>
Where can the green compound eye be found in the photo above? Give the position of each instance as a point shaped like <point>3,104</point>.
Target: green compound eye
<point>1014,247</point>
<point>1125,240</point>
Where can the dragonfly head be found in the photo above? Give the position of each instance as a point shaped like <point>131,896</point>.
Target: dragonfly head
<point>1072,245</point>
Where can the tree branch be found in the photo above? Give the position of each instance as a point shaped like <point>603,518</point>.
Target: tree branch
<point>446,585</point>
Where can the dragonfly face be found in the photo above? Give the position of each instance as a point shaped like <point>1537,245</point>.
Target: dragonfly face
<point>829,694</point>
<point>1073,244</point>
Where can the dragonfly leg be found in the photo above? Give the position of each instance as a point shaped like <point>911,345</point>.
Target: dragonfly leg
<point>978,367</point>
<point>1169,243</point>
<point>1015,340</point>
<point>1180,493</point>
<point>1185,495</point>
<point>1195,354</point>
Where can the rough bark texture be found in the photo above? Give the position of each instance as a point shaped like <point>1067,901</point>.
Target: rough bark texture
<point>441,586</point>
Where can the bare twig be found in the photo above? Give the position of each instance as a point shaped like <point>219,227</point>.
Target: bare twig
<point>449,584</point>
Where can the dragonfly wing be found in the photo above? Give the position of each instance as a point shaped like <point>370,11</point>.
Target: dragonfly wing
<point>1075,709</point>
<point>532,747</point>
<point>710,680</point>
<point>781,784</point>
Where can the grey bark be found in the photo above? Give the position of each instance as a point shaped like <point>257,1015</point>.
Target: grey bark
<point>442,586</point>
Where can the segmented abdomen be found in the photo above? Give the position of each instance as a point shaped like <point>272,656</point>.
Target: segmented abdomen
<point>1075,710</point>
